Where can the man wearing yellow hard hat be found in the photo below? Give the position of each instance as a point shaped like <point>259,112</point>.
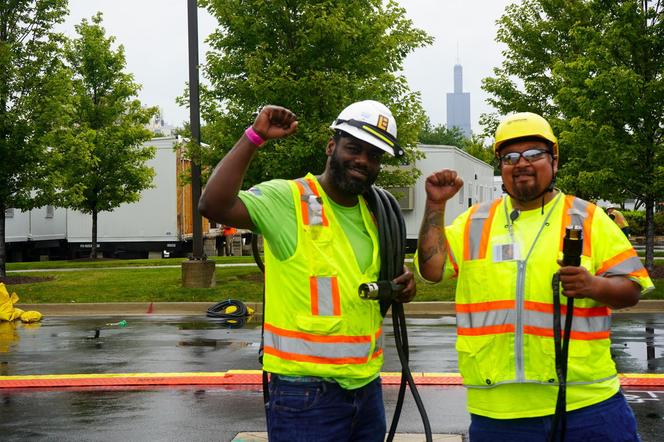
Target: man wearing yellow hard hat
<point>504,254</point>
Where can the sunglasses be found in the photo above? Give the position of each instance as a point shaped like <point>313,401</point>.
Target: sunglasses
<point>531,155</point>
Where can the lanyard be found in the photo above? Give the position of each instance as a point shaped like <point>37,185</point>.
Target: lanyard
<point>510,227</point>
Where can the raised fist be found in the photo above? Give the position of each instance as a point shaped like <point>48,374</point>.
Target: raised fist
<point>275,122</point>
<point>442,185</point>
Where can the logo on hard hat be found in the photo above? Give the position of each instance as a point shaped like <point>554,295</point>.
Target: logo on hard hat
<point>383,122</point>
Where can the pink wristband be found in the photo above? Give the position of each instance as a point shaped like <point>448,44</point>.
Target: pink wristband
<point>254,137</point>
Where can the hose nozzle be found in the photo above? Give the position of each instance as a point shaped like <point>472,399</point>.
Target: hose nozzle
<point>573,246</point>
<point>379,290</point>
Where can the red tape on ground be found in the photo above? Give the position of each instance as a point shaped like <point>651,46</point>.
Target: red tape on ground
<point>236,378</point>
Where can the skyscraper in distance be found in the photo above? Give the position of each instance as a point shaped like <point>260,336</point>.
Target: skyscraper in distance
<point>458,104</point>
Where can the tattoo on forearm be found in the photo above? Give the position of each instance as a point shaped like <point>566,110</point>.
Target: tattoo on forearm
<point>433,231</point>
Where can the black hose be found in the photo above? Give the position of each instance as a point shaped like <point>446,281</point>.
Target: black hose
<point>259,262</point>
<point>561,352</point>
<point>392,240</point>
<point>392,236</point>
<point>233,319</point>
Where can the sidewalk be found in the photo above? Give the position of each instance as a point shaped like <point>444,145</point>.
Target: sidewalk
<point>200,308</point>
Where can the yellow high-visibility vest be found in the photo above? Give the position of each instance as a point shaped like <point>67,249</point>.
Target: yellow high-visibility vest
<point>504,307</point>
<point>315,322</point>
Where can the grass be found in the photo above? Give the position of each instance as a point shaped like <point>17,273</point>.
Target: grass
<point>164,284</point>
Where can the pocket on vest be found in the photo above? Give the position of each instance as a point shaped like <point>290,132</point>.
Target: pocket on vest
<point>318,324</point>
<point>482,359</point>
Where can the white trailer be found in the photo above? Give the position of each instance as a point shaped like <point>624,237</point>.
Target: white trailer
<point>478,185</point>
<point>35,234</point>
<point>149,225</point>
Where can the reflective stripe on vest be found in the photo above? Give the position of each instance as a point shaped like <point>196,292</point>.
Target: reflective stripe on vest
<point>313,213</point>
<point>324,296</point>
<point>321,349</point>
<point>578,213</point>
<point>625,263</point>
<point>495,317</point>
<point>478,229</point>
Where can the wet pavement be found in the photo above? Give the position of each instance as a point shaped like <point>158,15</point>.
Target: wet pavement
<point>64,345</point>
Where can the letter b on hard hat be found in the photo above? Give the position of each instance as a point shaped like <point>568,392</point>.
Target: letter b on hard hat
<point>372,122</point>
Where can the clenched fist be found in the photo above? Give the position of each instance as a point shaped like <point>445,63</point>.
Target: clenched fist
<point>275,122</point>
<point>442,185</point>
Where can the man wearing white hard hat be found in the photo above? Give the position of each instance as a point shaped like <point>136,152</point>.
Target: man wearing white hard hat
<point>322,342</point>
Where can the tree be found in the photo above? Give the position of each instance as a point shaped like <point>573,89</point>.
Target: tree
<point>102,154</point>
<point>33,94</point>
<point>314,57</point>
<point>441,135</point>
<point>595,69</point>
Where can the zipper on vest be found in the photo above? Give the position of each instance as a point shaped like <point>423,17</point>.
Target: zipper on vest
<point>518,332</point>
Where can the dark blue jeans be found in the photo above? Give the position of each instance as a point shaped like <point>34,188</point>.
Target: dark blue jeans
<point>320,411</point>
<point>609,421</point>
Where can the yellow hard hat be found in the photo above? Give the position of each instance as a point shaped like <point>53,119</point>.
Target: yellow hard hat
<point>524,125</point>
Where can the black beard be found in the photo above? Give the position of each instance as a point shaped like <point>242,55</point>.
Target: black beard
<point>526,194</point>
<point>346,183</point>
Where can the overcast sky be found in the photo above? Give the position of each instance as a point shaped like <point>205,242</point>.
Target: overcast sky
<point>154,34</point>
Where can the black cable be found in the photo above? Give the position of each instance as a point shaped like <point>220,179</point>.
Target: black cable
<point>218,310</point>
<point>392,236</point>
<point>392,240</point>
<point>261,266</point>
<point>561,355</point>
<point>233,319</point>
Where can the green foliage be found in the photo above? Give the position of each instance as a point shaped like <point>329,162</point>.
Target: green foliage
<point>101,153</point>
<point>33,95</point>
<point>315,58</point>
<point>637,222</point>
<point>441,135</point>
<point>593,68</point>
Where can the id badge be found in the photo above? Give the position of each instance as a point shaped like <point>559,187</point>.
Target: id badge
<point>506,250</point>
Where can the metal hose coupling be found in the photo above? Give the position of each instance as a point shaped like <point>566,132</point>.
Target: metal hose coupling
<point>380,290</point>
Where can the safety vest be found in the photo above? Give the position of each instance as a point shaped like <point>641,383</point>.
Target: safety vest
<point>315,322</point>
<point>619,218</point>
<point>504,308</point>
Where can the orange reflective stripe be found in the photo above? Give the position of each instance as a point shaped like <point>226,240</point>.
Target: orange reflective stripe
<point>579,335</point>
<point>314,189</point>
<point>488,330</point>
<point>313,289</point>
<point>588,229</point>
<point>466,233</point>
<point>336,302</point>
<point>318,338</point>
<point>450,255</point>
<point>485,306</point>
<point>629,253</point>
<point>304,206</point>
<point>642,273</point>
<point>313,359</point>
<point>567,219</point>
<point>585,312</point>
<point>486,229</point>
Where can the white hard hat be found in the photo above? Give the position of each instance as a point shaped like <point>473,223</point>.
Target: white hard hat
<point>372,122</point>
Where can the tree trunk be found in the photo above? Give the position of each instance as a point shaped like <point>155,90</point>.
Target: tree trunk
<point>93,249</point>
<point>3,244</point>
<point>650,233</point>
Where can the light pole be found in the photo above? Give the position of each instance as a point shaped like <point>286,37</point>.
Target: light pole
<point>198,271</point>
